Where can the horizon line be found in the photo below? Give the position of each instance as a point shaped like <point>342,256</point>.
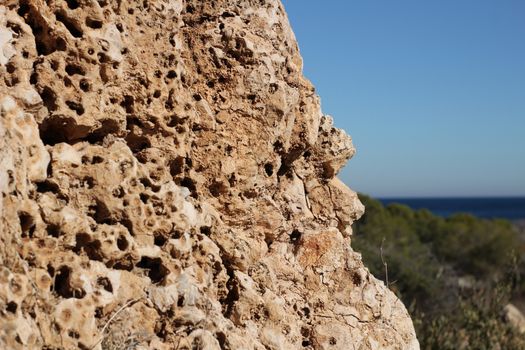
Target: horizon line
<point>447,196</point>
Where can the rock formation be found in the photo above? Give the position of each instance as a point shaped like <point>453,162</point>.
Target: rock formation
<point>168,182</point>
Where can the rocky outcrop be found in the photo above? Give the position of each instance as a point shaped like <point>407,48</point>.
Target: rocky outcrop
<point>168,182</point>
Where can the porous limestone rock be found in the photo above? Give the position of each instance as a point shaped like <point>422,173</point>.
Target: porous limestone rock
<point>168,182</point>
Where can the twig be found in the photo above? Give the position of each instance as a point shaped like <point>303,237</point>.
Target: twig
<point>384,264</point>
<point>129,303</point>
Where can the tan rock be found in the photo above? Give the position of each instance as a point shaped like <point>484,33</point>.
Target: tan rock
<point>515,317</point>
<point>168,180</point>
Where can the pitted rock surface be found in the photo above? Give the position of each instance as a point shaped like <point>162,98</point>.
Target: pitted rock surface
<point>169,181</point>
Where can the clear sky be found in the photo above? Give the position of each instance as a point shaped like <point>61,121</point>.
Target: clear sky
<point>432,92</point>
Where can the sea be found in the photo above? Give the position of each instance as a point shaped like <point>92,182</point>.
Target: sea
<point>511,208</point>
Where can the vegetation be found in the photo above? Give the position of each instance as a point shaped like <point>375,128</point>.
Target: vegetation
<point>454,274</point>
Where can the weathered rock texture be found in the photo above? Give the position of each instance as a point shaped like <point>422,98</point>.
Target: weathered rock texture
<point>168,182</point>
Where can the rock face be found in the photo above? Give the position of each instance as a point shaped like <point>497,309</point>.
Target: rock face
<point>168,182</point>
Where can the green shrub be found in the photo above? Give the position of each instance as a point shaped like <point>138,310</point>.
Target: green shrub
<point>426,255</point>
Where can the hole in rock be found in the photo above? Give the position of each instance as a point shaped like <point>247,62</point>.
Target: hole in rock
<point>75,106</point>
<point>128,103</point>
<point>23,9</point>
<point>91,247</point>
<point>46,41</point>
<point>175,120</point>
<point>223,342</point>
<point>148,184</point>
<point>171,74</point>
<point>89,182</point>
<point>177,234</point>
<point>49,98</point>
<point>268,168</point>
<point>196,127</point>
<point>306,311</point>
<point>93,23</point>
<point>233,292</point>
<point>108,126</point>
<point>227,14</point>
<point>50,270</point>
<point>72,4</point>
<point>170,101</point>
<point>189,184</point>
<point>73,334</point>
<point>232,180</point>
<point>100,213</point>
<point>217,188</point>
<point>105,283</point>
<point>72,69</point>
<point>47,186</point>
<point>84,85</point>
<point>159,239</point>
<point>97,160</point>
<point>102,58</point>
<point>176,166</point>
<point>126,222</point>
<point>58,129</point>
<point>67,82</point>
<point>63,284</point>
<point>328,171</point>
<point>356,278</point>
<point>156,270</point>
<point>137,143</point>
<point>278,146</point>
<point>11,307</point>
<point>61,44</point>
<point>27,224</point>
<point>119,192</point>
<point>143,198</point>
<point>125,263</point>
<point>252,98</point>
<point>205,230</point>
<point>33,79</point>
<point>10,67</point>
<point>53,230</point>
<point>122,243</point>
<point>283,169</point>
<point>295,236</point>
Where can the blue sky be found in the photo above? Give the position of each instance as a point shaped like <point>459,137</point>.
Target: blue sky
<point>432,92</point>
